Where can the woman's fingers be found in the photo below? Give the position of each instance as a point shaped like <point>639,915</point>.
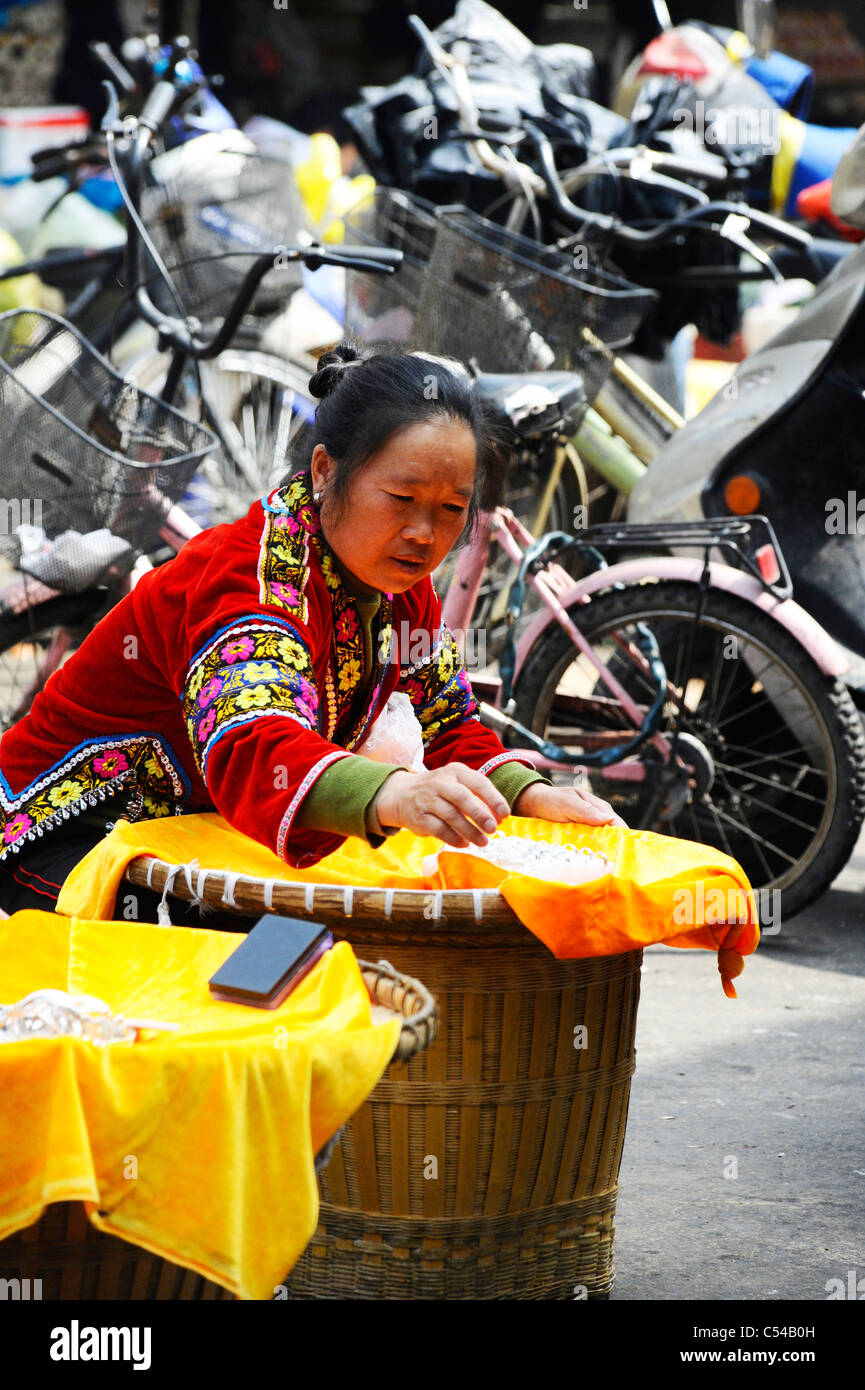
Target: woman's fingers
<point>431,824</point>
<point>482,788</point>
<point>476,832</point>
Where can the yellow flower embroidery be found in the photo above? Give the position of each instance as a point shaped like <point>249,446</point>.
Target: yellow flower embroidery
<point>153,767</point>
<point>256,698</point>
<point>196,683</point>
<point>446,665</point>
<point>66,792</point>
<point>292,653</point>
<point>260,671</point>
<point>294,492</point>
<point>155,808</point>
<point>349,675</point>
<point>331,579</point>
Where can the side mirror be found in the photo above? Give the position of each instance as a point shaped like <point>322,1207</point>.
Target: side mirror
<point>759,21</point>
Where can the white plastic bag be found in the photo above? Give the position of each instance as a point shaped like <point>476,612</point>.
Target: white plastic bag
<point>395,736</point>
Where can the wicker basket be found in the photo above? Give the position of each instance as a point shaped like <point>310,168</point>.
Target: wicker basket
<point>71,1259</point>
<point>487,1167</point>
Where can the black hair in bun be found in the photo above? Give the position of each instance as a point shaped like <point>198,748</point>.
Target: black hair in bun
<point>368,395</point>
<point>331,368</point>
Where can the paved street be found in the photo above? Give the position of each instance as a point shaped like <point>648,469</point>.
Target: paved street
<point>768,1087</point>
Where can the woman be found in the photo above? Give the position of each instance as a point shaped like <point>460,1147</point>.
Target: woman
<point>245,674</point>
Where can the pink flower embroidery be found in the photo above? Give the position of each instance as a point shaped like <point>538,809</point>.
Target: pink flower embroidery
<point>209,691</point>
<point>306,691</point>
<point>18,826</point>
<point>287,523</point>
<point>206,725</point>
<point>286,592</point>
<point>110,763</point>
<point>237,650</point>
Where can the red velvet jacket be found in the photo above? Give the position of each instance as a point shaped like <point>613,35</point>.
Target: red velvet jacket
<point>225,681</point>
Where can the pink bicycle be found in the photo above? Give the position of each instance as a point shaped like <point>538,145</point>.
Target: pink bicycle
<point>689,690</point>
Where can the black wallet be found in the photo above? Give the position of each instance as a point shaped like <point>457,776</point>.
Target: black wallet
<point>273,958</point>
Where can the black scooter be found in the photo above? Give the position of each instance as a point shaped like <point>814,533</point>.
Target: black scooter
<point>786,438</point>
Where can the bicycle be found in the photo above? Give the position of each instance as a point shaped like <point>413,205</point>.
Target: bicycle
<point>781,785</point>
<point>70,415</point>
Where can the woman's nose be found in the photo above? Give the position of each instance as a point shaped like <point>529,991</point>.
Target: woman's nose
<point>420,528</point>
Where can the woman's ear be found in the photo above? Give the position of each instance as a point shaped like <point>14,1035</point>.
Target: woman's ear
<point>320,467</point>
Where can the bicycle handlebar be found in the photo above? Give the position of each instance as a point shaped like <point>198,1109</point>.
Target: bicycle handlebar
<point>694,218</point>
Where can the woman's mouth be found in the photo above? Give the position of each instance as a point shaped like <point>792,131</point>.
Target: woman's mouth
<point>407,565</point>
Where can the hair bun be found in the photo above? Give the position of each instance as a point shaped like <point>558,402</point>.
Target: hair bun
<point>330,368</point>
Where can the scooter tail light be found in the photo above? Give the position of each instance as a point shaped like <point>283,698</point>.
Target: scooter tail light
<point>767,563</point>
<point>742,495</point>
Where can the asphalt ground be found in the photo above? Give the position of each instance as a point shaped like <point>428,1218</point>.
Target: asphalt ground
<point>743,1173</point>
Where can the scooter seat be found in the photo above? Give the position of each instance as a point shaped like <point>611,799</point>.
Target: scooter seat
<point>535,402</point>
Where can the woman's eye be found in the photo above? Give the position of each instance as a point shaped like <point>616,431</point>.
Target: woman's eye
<point>453,507</point>
<point>398,498</point>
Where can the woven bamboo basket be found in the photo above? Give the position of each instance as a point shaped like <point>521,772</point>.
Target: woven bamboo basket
<point>486,1167</point>
<point>71,1259</point>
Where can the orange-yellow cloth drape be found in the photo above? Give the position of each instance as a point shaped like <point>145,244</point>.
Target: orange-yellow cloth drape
<point>658,888</point>
<point>198,1145</point>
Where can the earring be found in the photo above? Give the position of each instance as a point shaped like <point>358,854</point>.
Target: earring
<point>316,497</point>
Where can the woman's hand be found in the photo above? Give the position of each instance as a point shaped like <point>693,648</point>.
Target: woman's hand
<point>454,803</point>
<point>564,803</point>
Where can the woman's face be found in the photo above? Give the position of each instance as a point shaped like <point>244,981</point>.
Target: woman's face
<point>406,506</point>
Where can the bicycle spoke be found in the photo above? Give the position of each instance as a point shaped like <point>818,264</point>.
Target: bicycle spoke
<point>767,782</point>
<point>755,838</point>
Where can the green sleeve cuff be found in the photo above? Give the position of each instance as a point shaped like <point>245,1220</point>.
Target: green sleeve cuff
<point>513,777</point>
<point>340,800</point>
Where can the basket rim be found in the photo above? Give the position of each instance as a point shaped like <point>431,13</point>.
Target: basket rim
<point>524,251</point>
<point>197,453</point>
<point>483,907</point>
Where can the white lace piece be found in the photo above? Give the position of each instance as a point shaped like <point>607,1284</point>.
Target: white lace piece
<point>53,1013</point>
<point>559,863</point>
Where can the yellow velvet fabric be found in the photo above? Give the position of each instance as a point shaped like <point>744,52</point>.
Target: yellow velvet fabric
<point>659,888</point>
<point>197,1145</point>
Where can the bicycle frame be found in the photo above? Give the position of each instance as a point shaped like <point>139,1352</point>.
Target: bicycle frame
<point>552,585</point>
<point>559,592</point>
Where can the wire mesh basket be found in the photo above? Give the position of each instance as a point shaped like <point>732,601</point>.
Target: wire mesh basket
<point>207,226</point>
<point>382,308</point>
<point>89,460</point>
<point>508,304</point>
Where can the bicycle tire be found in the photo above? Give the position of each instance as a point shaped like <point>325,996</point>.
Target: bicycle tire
<point>819,853</point>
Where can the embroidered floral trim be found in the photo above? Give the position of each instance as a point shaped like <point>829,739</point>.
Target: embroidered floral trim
<point>254,667</point>
<point>439,690</point>
<point>441,644</point>
<point>291,811</point>
<point>291,527</point>
<point>505,758</point>
<point>91,772</point>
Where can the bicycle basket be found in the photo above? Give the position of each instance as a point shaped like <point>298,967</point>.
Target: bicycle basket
<point>513,305</point>
<point>208,230</point>
<point>84,450</point>
<point>381,308</point>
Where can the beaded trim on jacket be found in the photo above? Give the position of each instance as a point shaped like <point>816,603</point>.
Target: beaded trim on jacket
<point>89,774</point>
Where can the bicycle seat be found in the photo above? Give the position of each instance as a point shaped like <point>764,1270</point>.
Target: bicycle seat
<point>535,402</point>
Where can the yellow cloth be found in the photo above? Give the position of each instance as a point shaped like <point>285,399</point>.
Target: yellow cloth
<point>197,1145</point>
<point>659,888</point>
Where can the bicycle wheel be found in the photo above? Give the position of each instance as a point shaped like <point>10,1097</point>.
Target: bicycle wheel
<point>774,748</point>
<point>26,639</point>
<point>248,401</point>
